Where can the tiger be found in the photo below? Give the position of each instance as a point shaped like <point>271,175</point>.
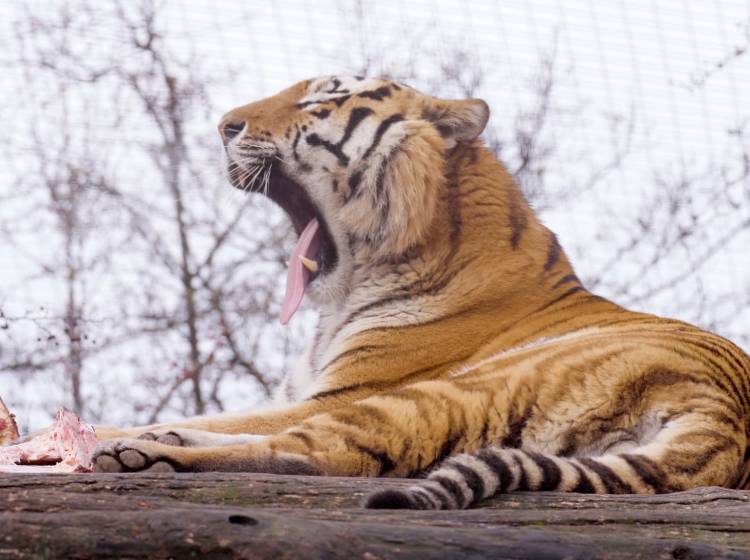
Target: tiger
<point>455,345</point>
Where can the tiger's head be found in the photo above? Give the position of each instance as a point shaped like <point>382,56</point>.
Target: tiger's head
<point>357,164</point>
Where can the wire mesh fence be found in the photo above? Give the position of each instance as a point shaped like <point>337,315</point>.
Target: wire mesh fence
<point>137,286</point>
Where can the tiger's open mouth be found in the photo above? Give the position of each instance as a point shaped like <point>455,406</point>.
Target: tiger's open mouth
<point>314,253</point>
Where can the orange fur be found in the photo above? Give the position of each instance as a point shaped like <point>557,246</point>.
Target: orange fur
<point>462,328</point>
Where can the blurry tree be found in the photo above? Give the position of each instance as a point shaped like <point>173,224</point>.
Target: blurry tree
<point>55,214</point>
<point>195,269</point>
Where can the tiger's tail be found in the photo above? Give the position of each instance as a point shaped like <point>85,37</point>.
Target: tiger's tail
<point>463,480</point>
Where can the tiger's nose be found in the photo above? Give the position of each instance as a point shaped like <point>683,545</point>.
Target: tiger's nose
<point>230,129</point>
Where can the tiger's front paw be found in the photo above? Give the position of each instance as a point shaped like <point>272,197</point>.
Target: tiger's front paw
<point>132,455</point>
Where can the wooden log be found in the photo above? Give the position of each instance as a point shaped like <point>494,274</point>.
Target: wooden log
<point>218,515</point>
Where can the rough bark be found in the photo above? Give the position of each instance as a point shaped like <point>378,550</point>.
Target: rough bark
<point>265,516</point>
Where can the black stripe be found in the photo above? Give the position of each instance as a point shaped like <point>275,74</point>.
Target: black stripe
<point>498,465</point>
<point>375,385</point>
<point>385,462</point>
<point>360,414</point>
<point>357,115</point>
<point>383,196</point>
<point>295,155</point>
<point>408,293</point>
<point>483,433</point>
<point>694,463</point>
<point>551,474</point>
<point>568,444</point>
<point>346,416</point>
<point>665,377</point>
<point>713,381</point>
<point>378,384</point>
<point>558,299</point>
<point>441,498</point>
<point>421,500</point>
<point>433,114</point>
<point>516,425</point>
<point>717,352</point>
<point>553,252</point>
<point>339,101</point>
<point>454,199</point>
<point>336,391</point>
<point>382,128</point>
<point>315,140</point>
<point>321,113</point>
<point>565,280</point>
<point>446,450</point>
<point>720,378</point>
<point>451,444</point>
<point>518,220</point>
<point>523,481</point>
<point>365,348</point>
<point>304,104</point>
<point>395,150</point>
<point>613,483</point>
<point>473,480</point>
<point>335,89</point>
<point>451,486</point>
<point>374,413</point>
<point>734,354</point>
<point>383,199</point>
<point>376,94</point>
<point>394,499</point>
<point>649,472</point>
<point>303,437</point>
<point>380,181</point>
<point>354,180</point>
<point>584,485</point>
<point>723,418</point>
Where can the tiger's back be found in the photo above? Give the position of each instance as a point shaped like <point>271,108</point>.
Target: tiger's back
<point>454,336</point>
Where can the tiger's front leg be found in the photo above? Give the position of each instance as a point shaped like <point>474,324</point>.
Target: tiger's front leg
<point>264,422</point>
<point>386,435</point>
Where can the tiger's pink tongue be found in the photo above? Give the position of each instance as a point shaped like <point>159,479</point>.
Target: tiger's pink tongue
<point>298,277</point>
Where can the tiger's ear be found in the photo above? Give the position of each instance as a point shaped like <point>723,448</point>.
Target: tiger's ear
<point>457,120</point>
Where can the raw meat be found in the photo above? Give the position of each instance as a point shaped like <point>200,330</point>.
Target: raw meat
<point>8,428</point>
<point>67,447</point>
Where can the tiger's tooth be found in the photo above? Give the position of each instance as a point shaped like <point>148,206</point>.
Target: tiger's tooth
<point>309,264</point>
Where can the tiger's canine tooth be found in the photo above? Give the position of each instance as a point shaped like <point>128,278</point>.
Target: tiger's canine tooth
<point>309,264</point>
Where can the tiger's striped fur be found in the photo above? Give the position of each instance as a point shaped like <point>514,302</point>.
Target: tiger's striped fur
<point>454,337</point>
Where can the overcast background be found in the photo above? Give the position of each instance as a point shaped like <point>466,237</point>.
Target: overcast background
<point>136,285</point>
